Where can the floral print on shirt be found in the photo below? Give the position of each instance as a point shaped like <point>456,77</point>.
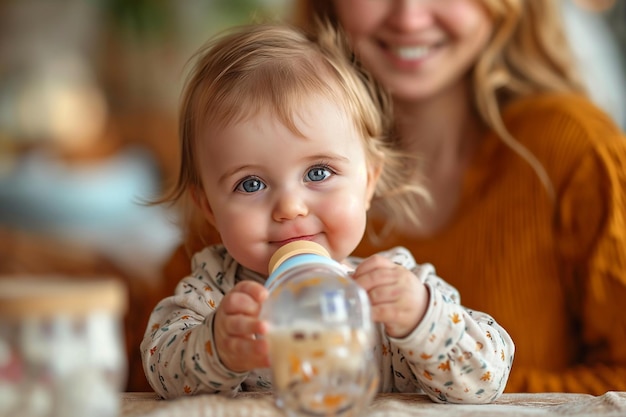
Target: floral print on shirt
<point>454,355</point>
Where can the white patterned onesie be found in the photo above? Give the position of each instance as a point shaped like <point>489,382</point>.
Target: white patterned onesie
<point>454,355</point>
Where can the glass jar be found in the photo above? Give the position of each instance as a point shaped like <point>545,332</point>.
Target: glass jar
<point>320,336</point>
<point>61,347</point>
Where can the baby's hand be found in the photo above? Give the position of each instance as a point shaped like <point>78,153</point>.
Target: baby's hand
<point>235,325</point>
<point>398,298</point>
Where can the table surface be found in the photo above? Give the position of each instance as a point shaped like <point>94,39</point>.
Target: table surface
<point>613,404</point>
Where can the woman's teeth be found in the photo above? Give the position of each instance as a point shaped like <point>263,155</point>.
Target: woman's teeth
<point>411,52</point>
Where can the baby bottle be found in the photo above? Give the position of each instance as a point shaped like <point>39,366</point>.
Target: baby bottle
<point>321,334</point>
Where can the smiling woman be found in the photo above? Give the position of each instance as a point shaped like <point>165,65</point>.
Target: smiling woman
<point>443,44</point>
<point>525,173</point>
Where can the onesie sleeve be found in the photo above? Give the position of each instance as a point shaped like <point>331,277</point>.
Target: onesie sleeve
<point>455,355</point>
<point>178,351</point>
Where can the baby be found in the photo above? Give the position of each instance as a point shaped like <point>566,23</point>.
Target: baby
<point>283,139</point>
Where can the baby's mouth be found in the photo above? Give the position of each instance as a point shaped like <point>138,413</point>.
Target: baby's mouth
<point>292,239</point>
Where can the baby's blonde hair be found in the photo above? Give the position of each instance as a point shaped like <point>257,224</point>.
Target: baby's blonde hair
<point>528,53</point>
<point>278,68</point>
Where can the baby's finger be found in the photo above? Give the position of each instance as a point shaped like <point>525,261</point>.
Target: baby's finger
<point>244,326</point>
<point>248,353</point>
<point>372,263</point>
<point>237,303</point>
<point>387,313</point>
<point>376,277</point>
<point>386,293</point>
<point>244,299</point>
<point>254,290</point>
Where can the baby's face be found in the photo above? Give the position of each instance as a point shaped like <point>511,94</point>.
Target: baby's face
<point>266,186</point>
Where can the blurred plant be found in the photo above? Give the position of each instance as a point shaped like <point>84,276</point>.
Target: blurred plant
<point>155,18</point>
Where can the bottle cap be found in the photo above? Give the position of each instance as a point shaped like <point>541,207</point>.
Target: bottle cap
<point>294,248</point>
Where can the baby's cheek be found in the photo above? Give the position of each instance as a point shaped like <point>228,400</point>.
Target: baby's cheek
<point>346,221</point>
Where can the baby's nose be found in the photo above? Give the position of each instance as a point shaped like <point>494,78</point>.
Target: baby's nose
<point>289,205</point>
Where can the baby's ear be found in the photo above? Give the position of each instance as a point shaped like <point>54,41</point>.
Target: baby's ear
<point>200,200</point>
<point>374,170</point>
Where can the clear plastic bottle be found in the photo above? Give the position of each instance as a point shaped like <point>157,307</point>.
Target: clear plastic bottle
<point>321,334</point>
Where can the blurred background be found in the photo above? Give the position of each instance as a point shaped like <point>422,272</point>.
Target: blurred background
<point>88,97</point>
<point>89,91</point>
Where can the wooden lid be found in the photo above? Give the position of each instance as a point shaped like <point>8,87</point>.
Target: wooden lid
<point>32,296</point>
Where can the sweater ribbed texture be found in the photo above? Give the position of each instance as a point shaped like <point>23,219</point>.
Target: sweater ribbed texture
<point>553,273</point>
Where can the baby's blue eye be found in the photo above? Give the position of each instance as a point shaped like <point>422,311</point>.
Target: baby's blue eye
<point>318,174</point>
<point>250,185</point>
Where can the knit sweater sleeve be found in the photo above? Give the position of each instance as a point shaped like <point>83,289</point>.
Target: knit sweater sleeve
<point>591,228</point>
<point>593,216</point>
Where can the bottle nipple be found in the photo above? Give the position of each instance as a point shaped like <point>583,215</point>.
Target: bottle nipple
<point>294,248</point>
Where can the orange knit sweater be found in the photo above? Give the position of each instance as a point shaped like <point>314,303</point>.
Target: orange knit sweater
<point>552,273</point>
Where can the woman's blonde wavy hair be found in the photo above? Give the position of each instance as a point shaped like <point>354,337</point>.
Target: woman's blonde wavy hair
<point>528,53</point>
<point>275,67</point>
